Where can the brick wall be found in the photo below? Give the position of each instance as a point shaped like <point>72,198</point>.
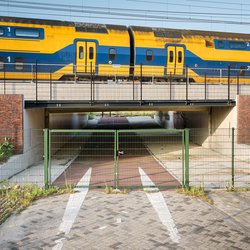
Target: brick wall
<point>11,120</point>
<point>243,119</point>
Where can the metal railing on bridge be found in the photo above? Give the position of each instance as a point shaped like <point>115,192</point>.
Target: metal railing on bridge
<point>117,83</point>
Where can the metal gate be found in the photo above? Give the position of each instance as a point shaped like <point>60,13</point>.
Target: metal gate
<point>116,158</point>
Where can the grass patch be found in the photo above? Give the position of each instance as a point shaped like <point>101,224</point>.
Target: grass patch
<point>197,192</point>
<point>15,198</point>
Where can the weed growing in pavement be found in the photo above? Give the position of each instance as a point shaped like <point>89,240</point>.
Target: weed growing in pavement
<point>15,198</point>
<point>197,192</point>
<point>111,190</point>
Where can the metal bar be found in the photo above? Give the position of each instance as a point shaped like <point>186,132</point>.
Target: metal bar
<point>238,83</point>
<point>170,82</point>
<point>80,130</point>
<point>117,159</point>
<point>205,81</point>
<point>186,82</point>
<point>91,85</point>
<point>50,84</point>
<point>133,86</point>
<point>183,157</point>
<point>228,83</point>
<point>186,158</point>
<point>46,157</point>
<point>233,172</point>
<point>4,80</point>
<point>49,159</point>
<point>36,81</point>
<point>93,75</point>
<point>141,85</point>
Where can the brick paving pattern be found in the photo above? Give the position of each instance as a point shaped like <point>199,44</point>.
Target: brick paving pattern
<point>130,222</point>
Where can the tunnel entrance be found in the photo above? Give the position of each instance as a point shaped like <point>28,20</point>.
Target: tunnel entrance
<point>124,157</point>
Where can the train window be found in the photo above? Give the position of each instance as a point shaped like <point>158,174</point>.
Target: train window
<point>22,32</point>
<point>237,45</point>
<point>221,44</point>
<point>18,63</point>
<point>149,55</point>
<point>80,52</point>
<point>91,53</point>
<point>179,56</point>
<point>112,54</point>
<point>171,56</point>
<point>1,31</point>
<point>1,63</point>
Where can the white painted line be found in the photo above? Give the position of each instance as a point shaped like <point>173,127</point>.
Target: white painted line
<point>160,207</point>
<point>118,220</point>
<point>73,206</point>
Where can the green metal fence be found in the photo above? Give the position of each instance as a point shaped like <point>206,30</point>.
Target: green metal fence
<point>220,158</point>
<point>117,158</point>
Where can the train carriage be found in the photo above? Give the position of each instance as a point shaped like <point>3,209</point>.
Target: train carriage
<point>47,49</point>
<point>62,49</point>
<point>169,52</point>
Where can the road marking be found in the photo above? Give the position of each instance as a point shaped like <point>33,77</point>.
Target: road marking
<point>73,206</point>
<point>160,206</point>
<point>118,220</point>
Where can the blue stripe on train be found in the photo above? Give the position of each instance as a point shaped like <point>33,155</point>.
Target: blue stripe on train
<point>62,57</point>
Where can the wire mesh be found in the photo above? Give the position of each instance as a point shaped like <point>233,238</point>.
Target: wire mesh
<point>74,153</point>
<point>150,158</point>
<point>217,160</point>
<point>26,164</point>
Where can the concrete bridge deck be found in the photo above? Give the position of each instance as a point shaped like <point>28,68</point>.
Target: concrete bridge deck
<point>82,94</point>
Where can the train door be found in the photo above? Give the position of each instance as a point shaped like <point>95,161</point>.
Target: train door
<point>175,60</point>
<point>85,57</point>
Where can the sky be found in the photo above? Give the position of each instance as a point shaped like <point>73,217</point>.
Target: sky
<point>212,15</point>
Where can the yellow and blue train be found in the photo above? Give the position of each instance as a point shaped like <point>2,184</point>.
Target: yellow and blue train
<point>65,49</point>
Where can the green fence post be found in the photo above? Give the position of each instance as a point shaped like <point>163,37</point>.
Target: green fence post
<point>183,157</point>
<point>46,157</point>
<point>186,158</point>
<point>233,129</point>
<point>115,158</point>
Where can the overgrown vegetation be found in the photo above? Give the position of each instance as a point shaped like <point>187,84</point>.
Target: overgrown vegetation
<point>15,198</point>
<point>6,150</point>
<point>197,192</point>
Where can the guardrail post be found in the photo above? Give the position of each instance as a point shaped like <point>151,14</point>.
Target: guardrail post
<point>91,85</point>
<point>93,76</point>
<point>141,86</point>
<point>36,81</point>
<point>46,157</point>
<point>228,83</point>
<point>133,86</point>
<point>186,158</point>
<point>238,83</point>
<point>4,79</point>
<point>205,81</point>
<point>170,86</point>
<point>233,172</point>
<point>50,84</point>
<point>186,82</point>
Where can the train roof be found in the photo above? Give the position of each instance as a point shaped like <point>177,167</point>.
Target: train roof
<point>80,27</point>
<point>103,28</point>
<point>178,33</point>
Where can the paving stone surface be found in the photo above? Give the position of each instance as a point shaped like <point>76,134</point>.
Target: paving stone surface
<point>129,221</point>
